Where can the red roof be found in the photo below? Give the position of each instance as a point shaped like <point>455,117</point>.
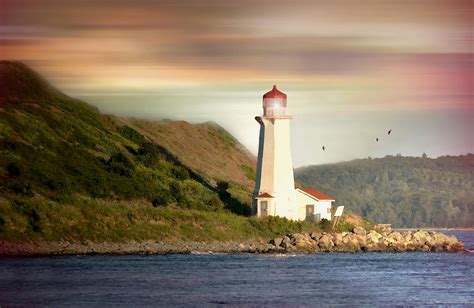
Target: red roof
<point>264,195</point>
<point>274,93</point>
<point>317,194</point>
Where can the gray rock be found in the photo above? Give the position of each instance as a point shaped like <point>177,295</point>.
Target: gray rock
<point>359,231</point>
<point>276,241</point>
<point>286,243</point>
<point>316,235</point>
<point>373,237</point>
<point>326,243</point>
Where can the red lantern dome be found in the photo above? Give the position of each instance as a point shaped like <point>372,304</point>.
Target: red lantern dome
<point>274,103</point>
<point>274,93</point>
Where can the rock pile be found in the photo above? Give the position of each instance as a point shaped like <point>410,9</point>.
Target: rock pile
<point>360,240</point>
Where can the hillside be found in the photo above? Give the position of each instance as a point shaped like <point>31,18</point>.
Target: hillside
<point>216,155</point>
<point>59,149</point>
<point>403,191</point>
<point>54,145</point>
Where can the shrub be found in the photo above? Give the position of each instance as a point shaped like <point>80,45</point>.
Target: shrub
<point>22,189</point>
<point>325,224</point>
<point>34,219</point>
<point>161,200</point>
<point>13,170</point>
<point>222,187</point>
<point>120,164</point>
<point>131,134</point>
<point>277,225</point>
<point>344,227</point>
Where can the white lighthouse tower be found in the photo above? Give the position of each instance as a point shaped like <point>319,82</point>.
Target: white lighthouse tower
<point>274,193</point>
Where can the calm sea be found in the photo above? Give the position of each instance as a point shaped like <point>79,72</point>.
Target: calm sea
<point>241,279</point>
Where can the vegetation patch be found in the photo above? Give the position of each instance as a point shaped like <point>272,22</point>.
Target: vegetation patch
<point>81,219</point>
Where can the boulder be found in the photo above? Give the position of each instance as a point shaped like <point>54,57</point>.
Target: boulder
<point>302,245</point>
<point>326,243</point>
<point>337,239</point>
<point>395,236</point>
<point>419,237</point>
<point>425,248</point>
<point>373,247</point>
<point>276,241</point>
<point>315,247</point>
<point>362,239</point>
<point>451,239</point>
<point>316,235</point>
<point>353,244</point>
<point>407,236</point>
<point>373,237</point>
<point>456,247</point>
<point>287,243</point>
<point>359,231</point>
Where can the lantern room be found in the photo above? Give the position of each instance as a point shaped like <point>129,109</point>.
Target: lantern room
<point>274,103</point>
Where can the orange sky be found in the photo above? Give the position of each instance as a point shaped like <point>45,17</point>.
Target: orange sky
<point>363,64</point>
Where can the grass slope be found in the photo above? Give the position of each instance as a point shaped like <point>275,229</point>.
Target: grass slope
<point>84,219</point>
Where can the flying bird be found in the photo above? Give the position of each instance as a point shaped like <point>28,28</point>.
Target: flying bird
<point>389,132</point>
<point>324,148</point>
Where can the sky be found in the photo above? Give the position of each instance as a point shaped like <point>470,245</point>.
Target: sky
<point>352,70</point>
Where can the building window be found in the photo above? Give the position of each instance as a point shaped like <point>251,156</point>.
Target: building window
<point>263,208</point>
<point>309,212</point>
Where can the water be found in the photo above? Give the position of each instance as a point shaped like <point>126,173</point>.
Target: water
<point>241,279</point>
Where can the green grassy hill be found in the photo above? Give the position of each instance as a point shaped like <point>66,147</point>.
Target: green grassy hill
<point>53,145</point>
<point>403,191</point>
<point>68,172</point>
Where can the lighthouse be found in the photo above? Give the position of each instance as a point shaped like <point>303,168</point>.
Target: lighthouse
<point>274,193</point>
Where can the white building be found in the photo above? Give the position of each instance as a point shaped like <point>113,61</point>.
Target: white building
<point>275,193</point>
<point>313,205</point>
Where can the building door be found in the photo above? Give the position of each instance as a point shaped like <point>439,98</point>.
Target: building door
<point>310,212</point>
<point>263,208</point>
<point>317,217</point>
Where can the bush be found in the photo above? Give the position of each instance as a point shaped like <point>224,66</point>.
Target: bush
<point>120,164</point>
<point>13,170</point>
<point>161,200</point>
<point>344,227</point>
<point>325,224</point>
<point>222,187</point>
<point>22,189</point>
<point>277,225</point>
<point>34,219</point>
<point>193,195</point>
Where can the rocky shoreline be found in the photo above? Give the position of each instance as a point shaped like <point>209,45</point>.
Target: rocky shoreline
<point>359,240</point>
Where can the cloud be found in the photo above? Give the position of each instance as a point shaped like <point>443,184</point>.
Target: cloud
<point>192,59</point>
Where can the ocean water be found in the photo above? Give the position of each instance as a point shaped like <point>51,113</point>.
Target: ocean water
<point>242,279</point>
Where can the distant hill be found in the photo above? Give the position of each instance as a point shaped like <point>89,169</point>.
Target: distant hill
<point>403,191</point>
<point>55,146</point>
